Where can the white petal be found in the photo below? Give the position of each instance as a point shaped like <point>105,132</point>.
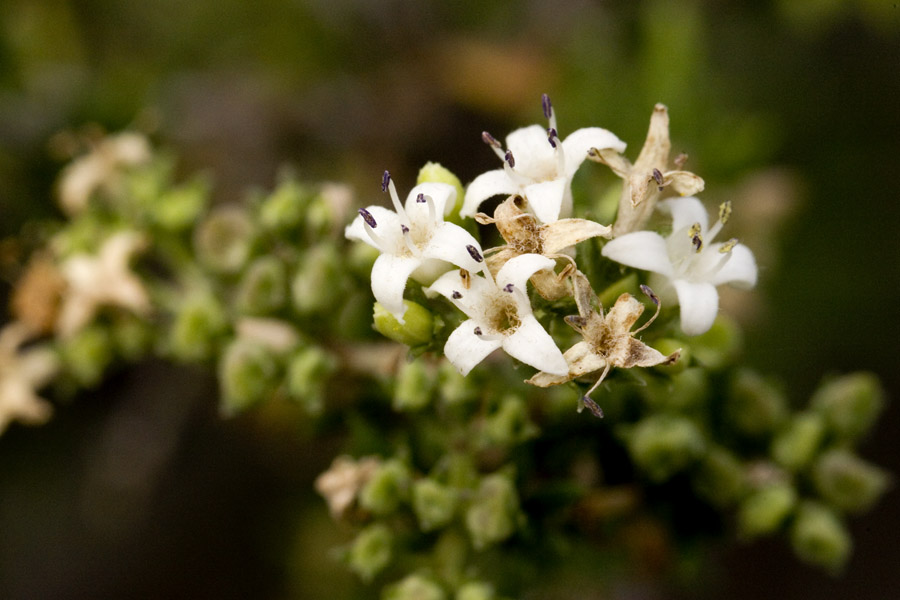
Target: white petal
<point>449,242</point>
<point>577,144</point>
<point>517,270</point>
<point>740,270</point>
<point>472,301</point>
<point>531,344</point>
<point>699,305</point>
<point>546,198</point>
<point>389,276</point>
<point>642,250</point>
<point>465,349</point>
<point>388,224</point>
<point>685,212</point>
<point>534,156</point>
<point>442,194</point>
<point>492,183</point>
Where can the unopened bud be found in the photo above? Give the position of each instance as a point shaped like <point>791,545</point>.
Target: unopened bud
<point>285,207</point>
<point>198,327</point>
<point>510,423</point>
<point>721,478</point>
<point>850,404</point>
<point>453,387</point>
<point>820,537</point>
<point>764,511</point>
<point>223,241</point>
<point>415,384</point>
<point>179,208</point>
<point>87,354</point>
<point>794,447</point>
<point>316,287</point>
<point>263,288</point>
<point>494,513</point>
<point>307,375</point>
<point>475,590</point>
<point>414,587</point>
<point>662,445</point>
<point>755,406</point>
<point>371,551</point>
<point>433,503</point>
<point>847,482</point>
<point>388,487</point>
<point>417,327</point>
<point>247,375</point>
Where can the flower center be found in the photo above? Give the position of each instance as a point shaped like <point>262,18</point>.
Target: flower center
<point>502,315</point>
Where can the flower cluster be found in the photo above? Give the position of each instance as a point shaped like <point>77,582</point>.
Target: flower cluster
<point>540,235</point>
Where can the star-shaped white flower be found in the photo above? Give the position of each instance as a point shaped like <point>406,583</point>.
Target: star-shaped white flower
<point>688,260</point>
<point>538,166</point>
<point>500,316</point>
<point>100,280</point>
<point>21,373</point>
<point>414,241</point>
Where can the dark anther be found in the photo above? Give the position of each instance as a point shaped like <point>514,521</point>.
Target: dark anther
<point>456,295</point>
<point>697,243</point>
<point>368,218</point>
<point>489,139</point>
<point>519,201</point>
<point>478,331</point>
<point>385,180</point>
<point>659,178</point>
<point>593,407</point>
<point>510,159</point>
<point>508,288</point>
<point>473,252</point>
<point>404,228</point>
<point>551,136</point>
<point>421,199</point>
<point>576,321</point>
<point>646,289</point>
<point>545,104</point>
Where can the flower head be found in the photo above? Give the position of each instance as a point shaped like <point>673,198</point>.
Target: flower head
<point>414,240</point>
<point>21,373</point>
<point>689,260</point>
<point>537,165</point>
<point>101,280</point>
<point>500,316</point>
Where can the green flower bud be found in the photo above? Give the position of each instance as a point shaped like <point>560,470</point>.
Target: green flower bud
<point>719,346</point>
<point>388,486</point>
<point>87,354</point>
<point>475,590</point>
<point>669,345</point>
<point>848,482</point>
<point>510,423</point>
<point>794,447</point>
<point>764,511</point>
<point>417,329</point>
<point>433,503</point>
<point>307,375</point>
<point>455,388</point>
<point>819,537</point>
<point>850,404</point>
<point>263,288</point>
<point>371,551</point>
<point>414,587</point>
<point>133,336</point>
<point>317,285</point>
<point>179,208</point>
<point>415,384</point>
<point>662,445</point>
<point>247,375</point>
<point>435,173</point>
<point>628,284</point>
<point>682,392</point>
<point>199,324</point>
<point>328,209</point>
<point>224,240</point>
<point>456,470</point>
<point>754,406</point>
<point>721,478</point>
<point>283,210</point>
<point>494,512</point>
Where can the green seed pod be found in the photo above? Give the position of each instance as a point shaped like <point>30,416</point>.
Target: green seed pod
<point>720,478</point>
<point>388,487</point>
<point>764,511</point>
<point>199,325</point>
<point>820,537</point>
<point>494,512</point>
<point>371,551</point>
<point>284,209</point>
<point>433,503</point>
<point>87,354</point>
<point>414,386</point>
<point>247,375</point>
<point>754,407</point>
<point>224,240</point>
<point>662,445</point>
<point>847,482</point>
<point>263,288</point>
<point>414,587</point>
<point>794,447</point>
<point>850,404</point>
<point>475,590</point>
<point>317,285</point>
<point>307,375</point>
<point>417,329</point>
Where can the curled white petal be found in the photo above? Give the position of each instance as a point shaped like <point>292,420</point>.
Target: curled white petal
<point>519,269</point>
<point>486,185</point>
<point>686,212</point>
<point>464,349</point>
<point>740,270</point>
<point>531,344</point>
<point>642,250</point>
<point>535,157</point>
<point>387,227</point>
<point>577,144</point>
<point>449,242</point>
<point>548,199</point>
<point>442,194</point>
<point>389,276</point>
<point>699,305</point>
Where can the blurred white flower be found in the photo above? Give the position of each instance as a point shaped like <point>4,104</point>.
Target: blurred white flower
<point>688,260</point>
<point>343,480</point>
<point>538,166</point>
<point>21,374</point>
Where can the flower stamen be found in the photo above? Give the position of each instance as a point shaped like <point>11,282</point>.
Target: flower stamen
<point>387,185</point>
<point>495,145</point>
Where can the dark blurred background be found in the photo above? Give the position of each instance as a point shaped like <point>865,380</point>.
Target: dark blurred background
<point>140,489</point>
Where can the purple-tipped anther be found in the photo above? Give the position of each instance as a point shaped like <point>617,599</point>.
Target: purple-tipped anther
<point>658,177</point>
<point>478,332</point>
<point>593,407</point>
<point>490,140</point>
<point>456,295</point>
<point>552,136</point>
<point>474,253</point>
<point>421,199</point>
<point>545,104</point>
<point>404,228</point>
<point>385,180</point>
<point>508,288</point>
<point>368,218</point>
<point>510,159</point>
<point>646,289</point>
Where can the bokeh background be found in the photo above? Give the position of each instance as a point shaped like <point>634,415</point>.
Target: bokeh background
<point>788,107</point>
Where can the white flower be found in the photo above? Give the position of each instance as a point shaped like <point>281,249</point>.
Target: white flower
<point>539,166</point>
<point>414,241</point>
<point>343,480</point>
<point>21,373</point>
<point>689,260</point>
<point>499,317</point>
<point>101,280</point>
